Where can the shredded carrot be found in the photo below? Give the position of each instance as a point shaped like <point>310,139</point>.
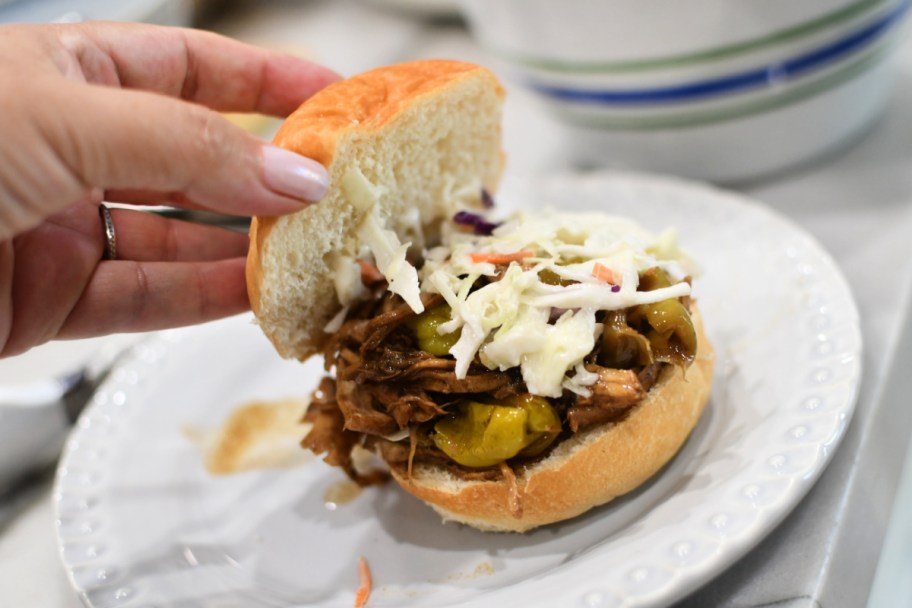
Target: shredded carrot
<point>366,583</point>
<point>603,273</point>
<point>501,258</point>
<point>370,274</point>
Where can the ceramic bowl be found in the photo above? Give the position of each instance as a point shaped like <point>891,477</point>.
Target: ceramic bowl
<point>711,89</point>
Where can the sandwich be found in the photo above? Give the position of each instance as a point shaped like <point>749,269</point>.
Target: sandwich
<point>510,372</point>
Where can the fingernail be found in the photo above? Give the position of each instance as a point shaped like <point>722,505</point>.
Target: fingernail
<point>294,175</point>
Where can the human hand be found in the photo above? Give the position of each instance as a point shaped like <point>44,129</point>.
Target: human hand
<point>89,114</point>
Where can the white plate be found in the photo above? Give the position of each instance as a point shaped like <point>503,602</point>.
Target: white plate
<point>142,524</point>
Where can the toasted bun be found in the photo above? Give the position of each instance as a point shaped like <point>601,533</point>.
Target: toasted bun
<point>421,133</point>
<point>426,136</point>
<point>589,469</point>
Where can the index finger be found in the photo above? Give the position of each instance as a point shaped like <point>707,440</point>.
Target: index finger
<point>194,65</point>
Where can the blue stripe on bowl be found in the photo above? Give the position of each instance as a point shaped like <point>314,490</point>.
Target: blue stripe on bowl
<point>774,73</point>
<point>683,117</point>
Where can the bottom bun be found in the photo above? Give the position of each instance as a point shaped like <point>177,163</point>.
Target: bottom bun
<point>589,469</point>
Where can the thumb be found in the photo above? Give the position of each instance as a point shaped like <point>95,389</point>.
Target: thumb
<point>132,140</point>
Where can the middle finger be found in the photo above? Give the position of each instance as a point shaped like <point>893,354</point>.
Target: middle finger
<point>147,237</point>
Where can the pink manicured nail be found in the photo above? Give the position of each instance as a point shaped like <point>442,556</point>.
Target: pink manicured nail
<point>294,175</point>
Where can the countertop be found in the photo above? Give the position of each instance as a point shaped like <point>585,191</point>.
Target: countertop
<point>857,202</point>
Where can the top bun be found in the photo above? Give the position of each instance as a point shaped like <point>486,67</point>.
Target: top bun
<point>424,134</point>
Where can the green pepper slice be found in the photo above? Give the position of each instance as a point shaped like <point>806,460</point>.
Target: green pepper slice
<point>425,325</point>
<point>622,346</point>
<point>480,435</point>
<point>670,332</point>
<point>549,277</point>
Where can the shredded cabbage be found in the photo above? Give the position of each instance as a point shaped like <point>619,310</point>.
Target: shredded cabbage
<point>537,312</point>
<point>388,252</point>
<point>346,278</point>
<point>509,322</point>
<point>580,381</point>
<point>565,345</point>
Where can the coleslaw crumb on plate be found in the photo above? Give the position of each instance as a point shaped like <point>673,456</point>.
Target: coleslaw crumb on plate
<point>366,583</point>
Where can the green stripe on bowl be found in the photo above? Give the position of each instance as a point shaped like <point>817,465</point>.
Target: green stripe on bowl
<point>724,52</point>
<point>735,112</point>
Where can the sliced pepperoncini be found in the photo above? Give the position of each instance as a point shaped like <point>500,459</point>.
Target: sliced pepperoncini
<point>483,434</point>
<point>425,325</point>
<point>549,277</point>
<point>671,331</point>
<point>654,278</point>
<point>622,346</point>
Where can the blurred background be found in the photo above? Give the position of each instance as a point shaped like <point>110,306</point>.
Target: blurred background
<point>705,89</point>
<point>802,105</point>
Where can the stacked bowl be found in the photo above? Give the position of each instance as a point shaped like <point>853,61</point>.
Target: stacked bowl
<point>711,89</point>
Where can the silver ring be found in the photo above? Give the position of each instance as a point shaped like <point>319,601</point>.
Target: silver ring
<point>107,226</point>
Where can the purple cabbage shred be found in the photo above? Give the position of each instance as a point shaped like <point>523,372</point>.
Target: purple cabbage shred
<point>486,199</point>
<point>479,224</point>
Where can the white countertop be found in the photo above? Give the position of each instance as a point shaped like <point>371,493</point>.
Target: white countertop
<point>857,202</point>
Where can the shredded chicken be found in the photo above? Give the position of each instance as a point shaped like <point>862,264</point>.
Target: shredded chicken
<point>328,435</point>
<point>385,384</point>
<point>357,407</point>
<point>614,392</point>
